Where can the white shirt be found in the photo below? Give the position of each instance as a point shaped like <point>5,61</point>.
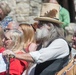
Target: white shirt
<point>57,49</point>
<point>2,64</point>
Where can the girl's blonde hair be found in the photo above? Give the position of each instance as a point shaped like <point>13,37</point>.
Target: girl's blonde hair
<point>29,34</point>
<point>17,38</point>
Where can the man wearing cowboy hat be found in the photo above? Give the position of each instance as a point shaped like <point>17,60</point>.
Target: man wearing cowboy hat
<point>53,50</point>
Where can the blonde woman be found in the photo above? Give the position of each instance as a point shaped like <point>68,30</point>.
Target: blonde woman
<point>29,37</point>
<point>29,41</point>
<point>14,41</point>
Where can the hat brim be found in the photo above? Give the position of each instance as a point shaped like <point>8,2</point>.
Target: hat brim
<point>48,19</point>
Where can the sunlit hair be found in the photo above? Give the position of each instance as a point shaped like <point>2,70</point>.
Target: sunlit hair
<point>56,31</point>
<point>29,34</point>
<point>17,38</point>
<point>1,36</point>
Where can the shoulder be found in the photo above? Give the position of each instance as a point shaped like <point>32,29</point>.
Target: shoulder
<point>32,47</point>
<point>59,41</point>
<point>60,44</point>
<point>33,44</point>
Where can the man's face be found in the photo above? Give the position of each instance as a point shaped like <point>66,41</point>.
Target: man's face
<point>1,15</point>
<point>42,32</point>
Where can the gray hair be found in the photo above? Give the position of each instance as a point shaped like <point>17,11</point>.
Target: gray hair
<point>56,31</point>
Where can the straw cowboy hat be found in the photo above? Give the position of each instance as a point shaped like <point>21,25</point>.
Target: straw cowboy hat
<point>49,12</point>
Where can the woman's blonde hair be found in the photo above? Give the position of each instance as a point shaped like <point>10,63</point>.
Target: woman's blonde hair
<point>29,34</point>
<point>17,38</point>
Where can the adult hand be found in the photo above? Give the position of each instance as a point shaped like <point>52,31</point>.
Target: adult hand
<point>8,53</point>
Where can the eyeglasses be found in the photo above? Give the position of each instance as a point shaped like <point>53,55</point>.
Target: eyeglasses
<point>6,29</point>
<point>41,23</point>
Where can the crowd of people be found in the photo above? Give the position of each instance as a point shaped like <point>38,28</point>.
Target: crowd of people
<point>41,49</point>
